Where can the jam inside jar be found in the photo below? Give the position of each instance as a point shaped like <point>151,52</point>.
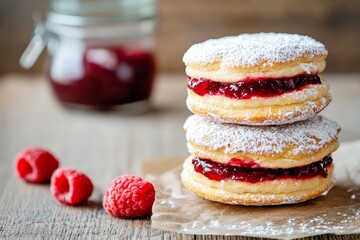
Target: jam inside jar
<point>100,53</point>
<point>101,76</point>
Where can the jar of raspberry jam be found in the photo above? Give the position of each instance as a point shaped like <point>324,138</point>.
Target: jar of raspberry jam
<point>100,52</point>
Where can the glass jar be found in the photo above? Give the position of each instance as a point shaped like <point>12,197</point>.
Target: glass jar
<point>100,52</point>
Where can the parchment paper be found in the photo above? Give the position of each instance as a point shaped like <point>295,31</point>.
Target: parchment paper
<point>178,210</point>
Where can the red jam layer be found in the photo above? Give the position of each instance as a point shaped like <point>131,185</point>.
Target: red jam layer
<point>261,87</point>
<point>218,171</point>
<point>102,76</point>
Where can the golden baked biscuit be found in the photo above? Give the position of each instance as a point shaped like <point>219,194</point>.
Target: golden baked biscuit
<point>263,165</point>
<point>257,79</point>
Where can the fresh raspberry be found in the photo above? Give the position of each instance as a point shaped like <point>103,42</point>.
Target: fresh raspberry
<point>129,197</point>
<point>70,186</point>
<point>35,165</point>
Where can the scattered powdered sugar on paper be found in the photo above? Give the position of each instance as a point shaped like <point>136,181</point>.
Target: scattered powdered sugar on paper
<point>178,210</point>
<point>254,49</point>
<point>306,137</point>
<point>184,212</point>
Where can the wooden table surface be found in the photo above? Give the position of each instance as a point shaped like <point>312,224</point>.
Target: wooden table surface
<point>105,145</point>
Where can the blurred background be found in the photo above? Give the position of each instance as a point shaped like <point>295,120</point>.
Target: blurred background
<point>182,23</point>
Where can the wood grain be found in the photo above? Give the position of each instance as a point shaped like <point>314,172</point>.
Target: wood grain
<point>187,22</point>
<point>105,145</point>
<point>183,23</point>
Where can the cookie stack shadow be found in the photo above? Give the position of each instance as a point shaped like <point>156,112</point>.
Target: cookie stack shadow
<point>255,137</point>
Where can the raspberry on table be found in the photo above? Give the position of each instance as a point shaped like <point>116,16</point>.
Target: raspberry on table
<point>129,197</point>
<point>35,165</point>
<point>70,186</point>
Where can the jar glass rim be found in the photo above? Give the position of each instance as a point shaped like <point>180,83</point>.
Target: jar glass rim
<point>113,30</point>
<point>94,12</point>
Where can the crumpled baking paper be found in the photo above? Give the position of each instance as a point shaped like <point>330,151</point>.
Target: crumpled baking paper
<point>178,210</point>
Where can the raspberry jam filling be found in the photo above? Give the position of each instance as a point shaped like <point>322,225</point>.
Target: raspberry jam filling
<point>260,87</point>
<point>218,171</point>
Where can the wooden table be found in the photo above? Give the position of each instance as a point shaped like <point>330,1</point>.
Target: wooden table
<point>105,145</point>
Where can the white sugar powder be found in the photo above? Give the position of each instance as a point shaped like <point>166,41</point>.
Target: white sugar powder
<point>305,137</point>
<point>254,49</point>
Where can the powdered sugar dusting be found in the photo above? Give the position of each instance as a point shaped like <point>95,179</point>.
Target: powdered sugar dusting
<point>309,67</point>
<point>296,115</point>
<point>306,137</point>
<point>254,49</point>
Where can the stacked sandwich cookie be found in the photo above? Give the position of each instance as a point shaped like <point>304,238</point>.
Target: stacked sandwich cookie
<point>255,138</point>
